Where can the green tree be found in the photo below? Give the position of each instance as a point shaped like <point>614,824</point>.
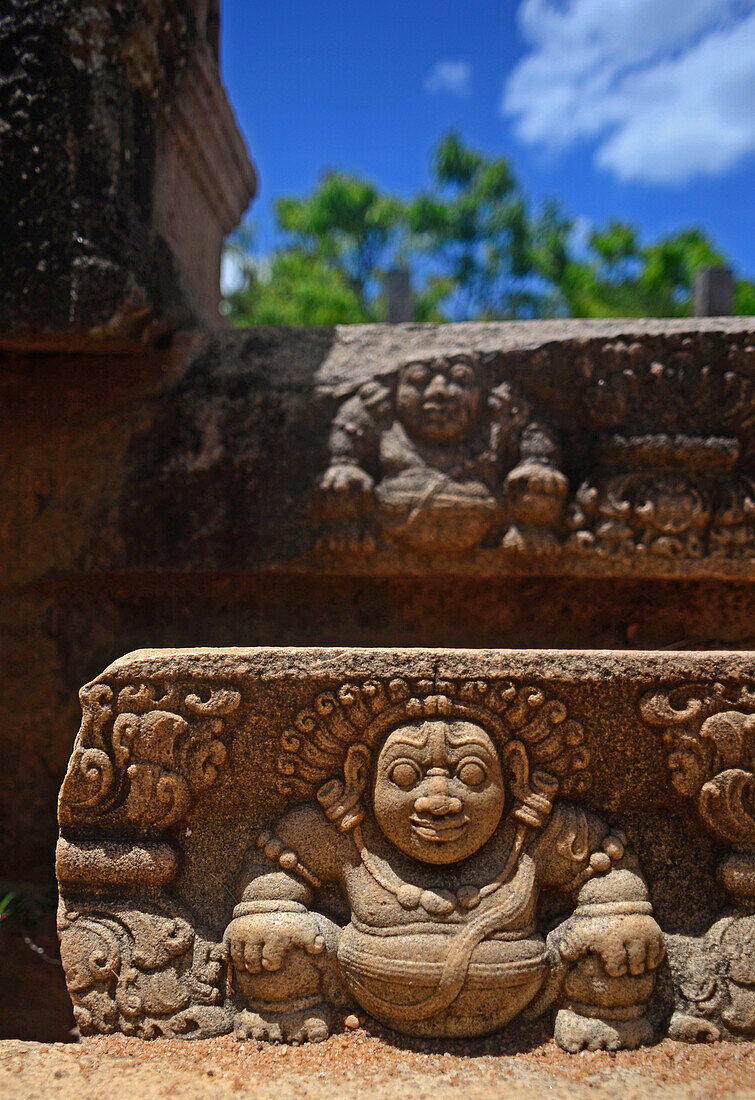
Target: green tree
<point>347,225</point>
<point>621,278</point>
<point>298,289</point>
<point>474,248</point>
<point>473,226</point>
<point>744,298</point>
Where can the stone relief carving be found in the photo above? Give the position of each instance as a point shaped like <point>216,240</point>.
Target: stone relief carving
<point>710,740</point>
<point>669,497</point>
<point>428,460</point>
<point>437,457</point>
<point>133,965</point>
<point>688,393</point>
<point>422,849</point>
<point>140,762</point>
<point>142,970</point>
<point>436,813</point>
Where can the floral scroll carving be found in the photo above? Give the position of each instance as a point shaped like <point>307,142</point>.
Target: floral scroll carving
<point>141,756</point>
<point>134,960</point>
<point>710,741</point>
<point>143,971</point>
<point>711,755</point>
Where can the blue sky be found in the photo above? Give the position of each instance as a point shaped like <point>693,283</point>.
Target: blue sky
<point>638,109</point>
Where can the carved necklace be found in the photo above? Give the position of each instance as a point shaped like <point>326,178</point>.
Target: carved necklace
<point>437,903</point>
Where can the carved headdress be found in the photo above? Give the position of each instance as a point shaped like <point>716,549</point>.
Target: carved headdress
<point>315,749</point>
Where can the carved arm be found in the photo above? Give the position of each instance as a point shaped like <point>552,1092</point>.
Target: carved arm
<point>352,442</point>
<point>604,956</point>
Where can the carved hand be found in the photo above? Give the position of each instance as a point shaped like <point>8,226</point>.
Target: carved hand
<point>261,941</point>
<point>629,944</point>
<point>346,478</point>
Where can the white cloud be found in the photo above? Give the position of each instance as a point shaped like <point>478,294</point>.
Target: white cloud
<point>449,76</point>
<point>666,88</point>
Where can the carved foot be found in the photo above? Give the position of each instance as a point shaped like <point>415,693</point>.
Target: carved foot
<point>574,1032</point>
<point>691,1029</point>
<point>302,1025</point>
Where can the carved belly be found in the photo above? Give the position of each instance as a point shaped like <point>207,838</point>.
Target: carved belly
<point>423,512</point>
<point>400,979</point>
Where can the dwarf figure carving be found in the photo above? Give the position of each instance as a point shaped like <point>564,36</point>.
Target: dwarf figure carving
<point>419,880</point>
<point>420,460</point>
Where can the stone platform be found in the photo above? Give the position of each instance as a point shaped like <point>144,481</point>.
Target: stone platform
<point>352,1064</point>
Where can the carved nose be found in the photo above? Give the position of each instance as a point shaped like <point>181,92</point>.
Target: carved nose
<point>439,805</point>
<point>438,387</point>
<point>438,801</point>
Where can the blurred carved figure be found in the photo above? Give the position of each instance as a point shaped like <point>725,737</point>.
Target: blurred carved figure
<point>420,461</point>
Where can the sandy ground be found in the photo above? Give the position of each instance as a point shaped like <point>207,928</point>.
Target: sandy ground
<point>368,1063</point>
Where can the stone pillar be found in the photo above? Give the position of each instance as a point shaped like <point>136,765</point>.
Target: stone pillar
<point>121,167</point>
<point>398,294</point>
<point>713,293</point>
<point>121,170</point>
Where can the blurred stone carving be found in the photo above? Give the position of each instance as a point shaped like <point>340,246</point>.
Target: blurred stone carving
<point>419,460</point>
<point>671,497</point>
<point>441,457</point>
<point>535,493</point>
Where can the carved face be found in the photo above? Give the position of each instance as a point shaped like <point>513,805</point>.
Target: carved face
<point>439,791</point>
<point>438,399</point>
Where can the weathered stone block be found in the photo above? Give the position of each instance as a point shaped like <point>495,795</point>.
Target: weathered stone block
<point>122,169</point>
<point>449,839</point>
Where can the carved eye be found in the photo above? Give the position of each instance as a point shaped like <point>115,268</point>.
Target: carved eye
<point>404,774</point>
<point>462,373</point>
<point>471,772</point>
<point>416,376</point>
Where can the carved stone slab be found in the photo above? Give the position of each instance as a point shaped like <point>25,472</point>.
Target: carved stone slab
<point>254,839</point>
<point>520,448</point>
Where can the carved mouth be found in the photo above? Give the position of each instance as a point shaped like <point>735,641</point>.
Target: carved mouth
<point>440,830</point>
<point>439,412</point>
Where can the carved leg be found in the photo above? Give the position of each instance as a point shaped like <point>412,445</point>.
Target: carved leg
<point>603,1012</point>
<point>305,1021</point>
<point>292,1003</point>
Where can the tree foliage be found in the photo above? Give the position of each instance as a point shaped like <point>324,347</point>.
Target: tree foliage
<point>475,225</point>
<point>475,248</point>
<point>347,225</point>
<point>618,277</point>
<point>298,289</point>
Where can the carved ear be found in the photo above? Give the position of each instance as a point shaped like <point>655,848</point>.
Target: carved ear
<point>342,802</point>
<point>535,795</point>
<point>356,769</point>
<point>518,765</point>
